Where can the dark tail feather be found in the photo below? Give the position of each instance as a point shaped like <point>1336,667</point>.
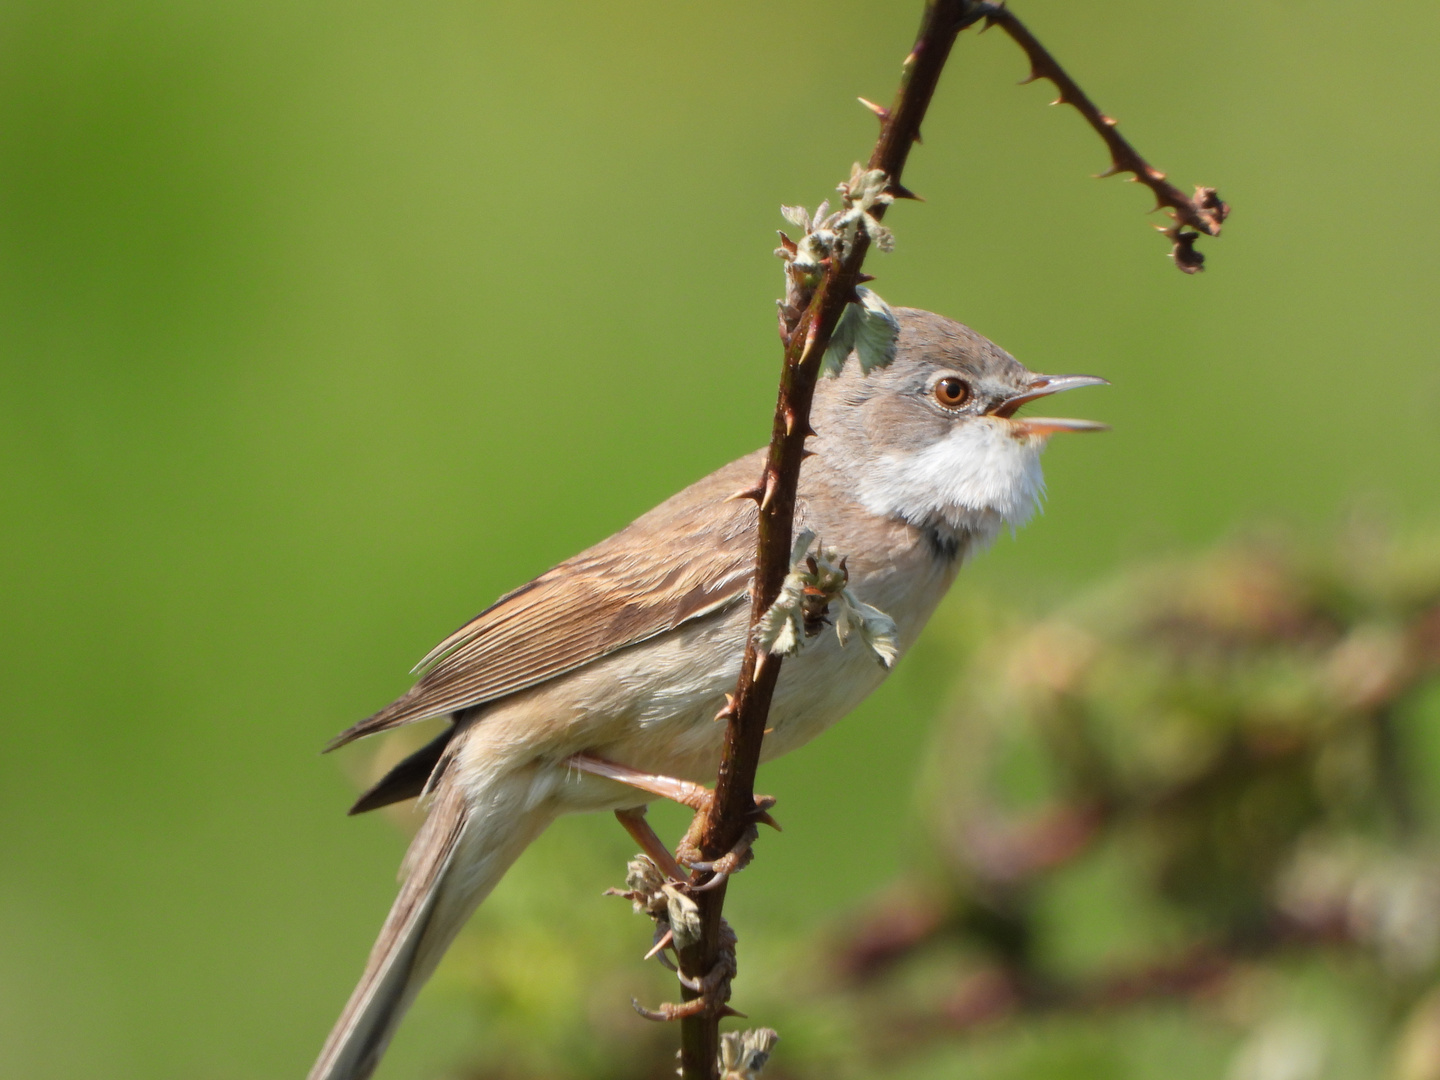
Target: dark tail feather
<point>407,779</point>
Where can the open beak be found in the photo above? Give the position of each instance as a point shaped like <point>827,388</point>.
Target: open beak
<point>1043,386</point>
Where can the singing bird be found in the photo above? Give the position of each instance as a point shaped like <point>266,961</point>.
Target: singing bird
<point>596,685</point>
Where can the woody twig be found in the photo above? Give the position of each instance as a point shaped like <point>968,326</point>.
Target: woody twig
<point>814,302</point>
<point>1205,212</point>
<point>823,277</point>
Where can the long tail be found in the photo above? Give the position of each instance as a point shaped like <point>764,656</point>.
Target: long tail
<point>455,860</point>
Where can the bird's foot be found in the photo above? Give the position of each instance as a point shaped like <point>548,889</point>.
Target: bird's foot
<point>696,796</point>
<point>688,852</point>
<point>712,990</point>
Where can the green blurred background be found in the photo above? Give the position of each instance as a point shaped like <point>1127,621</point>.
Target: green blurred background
<point>323,324</point>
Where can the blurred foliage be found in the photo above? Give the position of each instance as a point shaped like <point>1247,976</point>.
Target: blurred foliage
<point>1197,802</point>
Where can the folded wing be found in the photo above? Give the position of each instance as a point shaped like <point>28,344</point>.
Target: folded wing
<point>690,556</point>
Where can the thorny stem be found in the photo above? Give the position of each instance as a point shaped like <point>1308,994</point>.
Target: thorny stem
<point>1205,212</point>
<point>807,321</point>
<point>805,343</point>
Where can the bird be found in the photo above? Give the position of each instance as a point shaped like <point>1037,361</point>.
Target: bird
<point>595,686</point>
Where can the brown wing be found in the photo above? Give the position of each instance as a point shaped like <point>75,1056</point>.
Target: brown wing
<point>692,555</point>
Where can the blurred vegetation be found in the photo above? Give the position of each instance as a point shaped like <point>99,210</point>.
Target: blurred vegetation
<point>323,324</point>
<point>1200,802</point>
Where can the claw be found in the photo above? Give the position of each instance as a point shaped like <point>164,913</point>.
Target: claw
<point>668,1012</point>
<point>714,883</point>
<point>697,985</point>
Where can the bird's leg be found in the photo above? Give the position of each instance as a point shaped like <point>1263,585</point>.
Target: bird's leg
<point>640,830</point>
<point>696,796</point>
<point>685,792</point>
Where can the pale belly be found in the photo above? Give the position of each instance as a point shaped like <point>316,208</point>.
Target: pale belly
<point>652,706</point>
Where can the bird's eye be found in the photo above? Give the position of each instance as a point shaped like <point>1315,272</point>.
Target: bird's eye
<point>952,392</point>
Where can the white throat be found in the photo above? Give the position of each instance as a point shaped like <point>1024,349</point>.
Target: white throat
<point>971,484</point>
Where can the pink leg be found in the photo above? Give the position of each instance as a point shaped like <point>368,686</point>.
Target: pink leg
<point>695,796</point>
<point>639,829</point>
<point>687,793</point>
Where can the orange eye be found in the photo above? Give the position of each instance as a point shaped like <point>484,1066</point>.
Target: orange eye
<point>952,392</point>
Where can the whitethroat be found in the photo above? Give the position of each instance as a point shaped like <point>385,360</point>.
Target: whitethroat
<point>596,686</point>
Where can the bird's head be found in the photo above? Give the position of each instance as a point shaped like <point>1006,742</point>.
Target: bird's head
<point>933,437</point>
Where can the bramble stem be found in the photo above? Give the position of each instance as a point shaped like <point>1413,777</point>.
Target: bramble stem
<point>805,344</point>
<point>807,321</point>
<point>1205,212</point>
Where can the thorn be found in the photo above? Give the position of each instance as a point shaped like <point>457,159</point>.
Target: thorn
<point>726,1010</point>
<point>1034,76</point>
<point>1108,121</point>
<point>660,945</point>
<point>755,491</point>
<point>914,55</point>
<point>810,432</point>
<point>772,483</point>
<point>918,140</point>
<point>809,344</point>
<point>900,191</point>
<point>789,420</point>
<point>879,110</point>
<point>765,819</point>
<point>807,454</point>
<point>786,242</point>
<point>760,658</point>
<point>1115,169</point>
<point>861,279</point>
<point>1060,101</point>
<point>728,709</point>
<point>1154,173</point>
